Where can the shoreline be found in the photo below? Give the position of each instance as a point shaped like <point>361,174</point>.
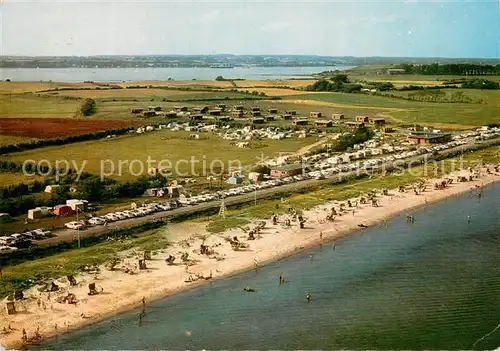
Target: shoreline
<point>123,292</point>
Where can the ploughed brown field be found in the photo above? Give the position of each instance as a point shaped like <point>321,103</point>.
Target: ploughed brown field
<point>45,128</point>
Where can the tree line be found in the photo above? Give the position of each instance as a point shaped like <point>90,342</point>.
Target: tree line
<point>5,149</point>
<point>338,83</point>
<point>18,199</point>
<point>461,69</point>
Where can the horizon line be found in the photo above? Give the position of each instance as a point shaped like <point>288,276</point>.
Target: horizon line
<point>277,55</point>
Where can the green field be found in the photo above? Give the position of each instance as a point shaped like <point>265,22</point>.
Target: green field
<point>31,105</point>
<point>70,262</point>
<point>7,178</point>
<point>13,139</point>
<point>445,115</point>
<point>159,145</point>
<point>111,103</point>
<point>416,79</point>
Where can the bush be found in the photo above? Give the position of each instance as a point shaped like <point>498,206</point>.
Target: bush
<point>264,169</point>
<point>480,84</point>
<point>88,107</point>
<point>359,136</point>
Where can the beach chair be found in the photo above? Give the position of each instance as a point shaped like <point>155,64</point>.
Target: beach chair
<point>11,307</point>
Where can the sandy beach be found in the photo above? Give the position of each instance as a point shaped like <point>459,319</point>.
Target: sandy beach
<point>125,287</point>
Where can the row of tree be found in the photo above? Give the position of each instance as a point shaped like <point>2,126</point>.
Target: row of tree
<point>480,84</point>
<point>5,149</point>
<point>461,69</point>
<point>89,187</point>
<point>338,83</point>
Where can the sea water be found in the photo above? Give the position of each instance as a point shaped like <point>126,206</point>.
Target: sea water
<point>433,284</point>
<point>177,73</point>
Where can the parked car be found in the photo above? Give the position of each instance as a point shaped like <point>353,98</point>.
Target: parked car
<point>97,221</point>
<point>164,207</point>
<point>75,225</point>
<point>111,217</point>
<point>7,249</point>
<point>120,215</point>
<point>40,233</point>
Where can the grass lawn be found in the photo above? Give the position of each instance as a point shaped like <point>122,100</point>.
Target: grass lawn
<point>24,87</point>
<point>147,94</point>
<point>224,84</point>
<point>70,262</point>
<point>111,103</point>
<point>13,139</point>
<point>31,105</point>
<point>403,111</point>
<point>160,145</point>
<point>180,83</point>
<point>131,93</point>
<point>7,178</point>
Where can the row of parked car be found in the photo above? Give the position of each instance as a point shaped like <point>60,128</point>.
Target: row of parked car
<point>12,242</point>
<point>320,170</point>
<point>120,215</point>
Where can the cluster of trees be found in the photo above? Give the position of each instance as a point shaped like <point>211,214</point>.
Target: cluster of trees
<point>88,107</point>
<point>5,149</point>
<point>89,187</point>
<point>383,86</point>
<point>20,205</point>
<point>451,69</point>
<point>346,141</point>
<point>421,87</point>
<point>480,84</point>
<point>22,189</point>
<point>338,83</point>
<point>9,166</point>
<point>434,95</point>
<point>263,169</point>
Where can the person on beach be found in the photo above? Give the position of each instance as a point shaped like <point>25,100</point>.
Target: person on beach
<point>282,280</point>
<point>143,302</point>
<point>25,336</point>
<point>320,235</point>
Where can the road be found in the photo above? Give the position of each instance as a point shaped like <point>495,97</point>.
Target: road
<point>70,235</point>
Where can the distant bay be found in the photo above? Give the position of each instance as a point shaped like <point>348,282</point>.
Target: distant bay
<point>136,74</point>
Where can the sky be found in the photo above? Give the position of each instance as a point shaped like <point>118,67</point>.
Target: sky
<point>411,28</point>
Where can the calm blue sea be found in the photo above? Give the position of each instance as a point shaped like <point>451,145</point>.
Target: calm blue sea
<point>135,74</point>
<point>434,284</point>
